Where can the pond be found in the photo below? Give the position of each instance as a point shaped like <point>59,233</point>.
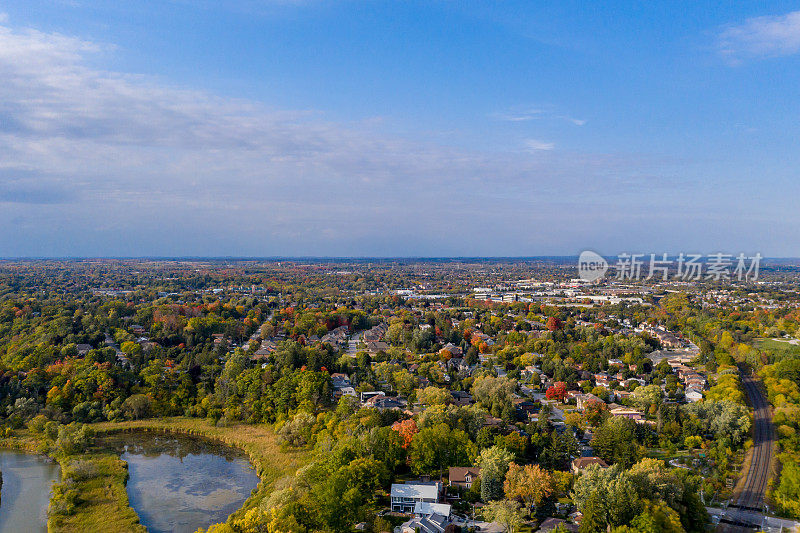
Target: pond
<point>27,480</point>
<point>180,483</point>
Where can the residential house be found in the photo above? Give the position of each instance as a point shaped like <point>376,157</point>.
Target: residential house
<point>633,414</point>
<point>553,523</point>
<point>693,395</point>
<point>602,379</point>
<point>375,333</point>
<point>461,398</point>
<point>668,339</point>
<point>341,385</point>
<point>430,524</point>
<point>621,394</point>
<point>366,396</point>
<point>83,349</point>
<point>459,365</point>
<point>266,349</point>
<point>580,463</point>
<point>404,496</point>
<point>339,380</point>
<point>463,476</point>
<point>345,391</point>
<point>452,349</point>
<point>382,403</point>
<point>374,347</point>
<point>582,400</point>
<point>427,509</point>
<point>524,407</point>
<point>337,337</point>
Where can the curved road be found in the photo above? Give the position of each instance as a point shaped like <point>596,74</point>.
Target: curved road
<point>745,511</point>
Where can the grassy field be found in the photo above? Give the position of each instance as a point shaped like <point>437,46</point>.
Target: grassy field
<point>779,348</point>
<point>259,442</point>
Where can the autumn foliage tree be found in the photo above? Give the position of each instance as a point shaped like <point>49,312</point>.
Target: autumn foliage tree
<point>558,391</point>
<point>553,323</point>
<point>595,412</point>
<point>529,483</point>
<point>407,429</point>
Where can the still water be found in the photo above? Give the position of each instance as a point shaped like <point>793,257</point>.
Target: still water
<point>27,480</point>
<point>182,483</point>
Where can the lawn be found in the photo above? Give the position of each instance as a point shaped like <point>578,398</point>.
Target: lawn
<point>779,348</point>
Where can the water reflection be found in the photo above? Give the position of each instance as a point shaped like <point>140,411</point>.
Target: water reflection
<point>27,480</point>
<point>182,483</point>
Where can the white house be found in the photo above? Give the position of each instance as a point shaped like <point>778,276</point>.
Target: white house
<point>405,496</point>
<point>693,395</point>
<point>426,509</point>
<point>431,524</point>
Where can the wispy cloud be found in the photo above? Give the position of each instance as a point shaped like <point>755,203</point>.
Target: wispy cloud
<point>521,115</point>
<point>761,37</point>
<point>576,121</point>
<point>525,114</point>
<point>536,145</point>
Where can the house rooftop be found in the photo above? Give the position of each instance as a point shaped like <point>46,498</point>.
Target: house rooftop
<point>416,490</point>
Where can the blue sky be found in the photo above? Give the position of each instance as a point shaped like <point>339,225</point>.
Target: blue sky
<point>315,127</point>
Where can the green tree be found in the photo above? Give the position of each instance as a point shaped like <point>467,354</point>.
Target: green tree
<point>506,513</point>
<point>494,463</point>
<point>136,406</point>
<point>436,448</point>
<point>615,441</point>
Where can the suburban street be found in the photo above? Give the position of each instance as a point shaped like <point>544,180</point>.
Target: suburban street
<point>352,344</point>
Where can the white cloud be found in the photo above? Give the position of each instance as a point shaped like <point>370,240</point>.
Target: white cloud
<point>760,37</point>
<point>576,121</point>
<point>536,145</point>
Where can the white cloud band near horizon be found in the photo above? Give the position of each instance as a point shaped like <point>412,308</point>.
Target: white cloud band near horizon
<point>96,162</point>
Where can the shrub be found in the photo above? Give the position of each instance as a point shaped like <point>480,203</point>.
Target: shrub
<point>81,470</point>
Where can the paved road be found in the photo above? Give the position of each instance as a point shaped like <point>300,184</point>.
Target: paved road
<point>352,345</point>
<point>750,501</point>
